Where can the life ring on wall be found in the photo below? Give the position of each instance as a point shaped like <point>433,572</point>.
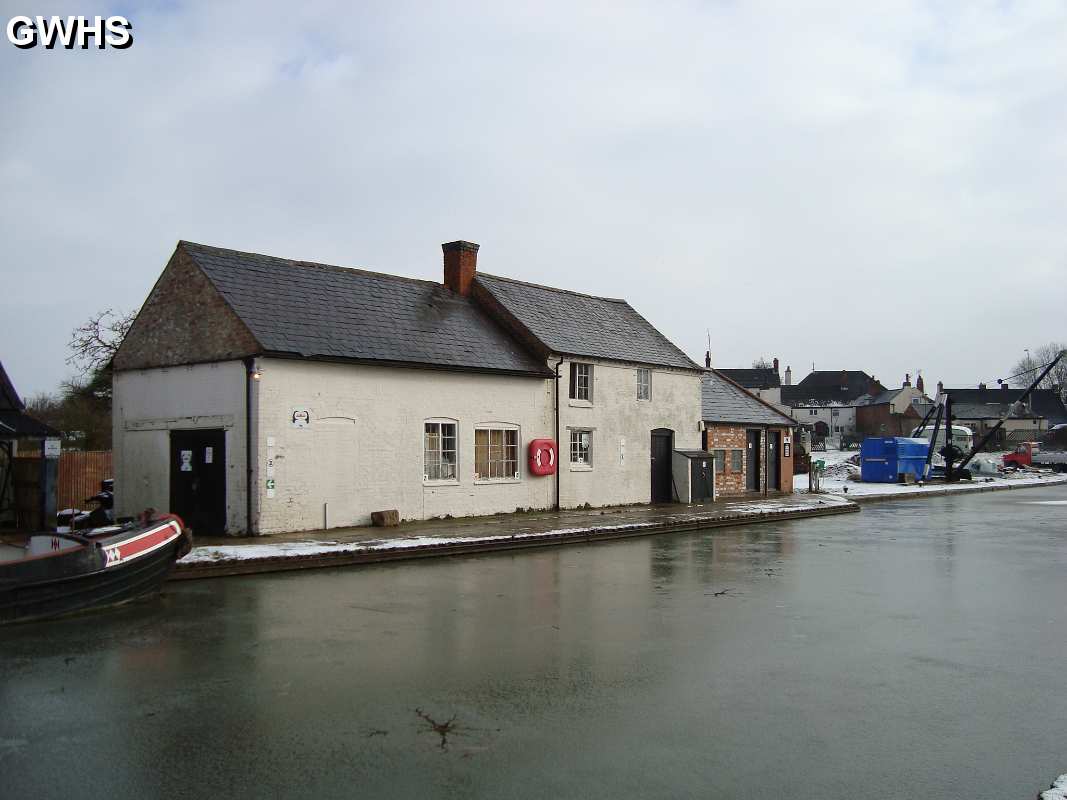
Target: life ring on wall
<point>542,457</point>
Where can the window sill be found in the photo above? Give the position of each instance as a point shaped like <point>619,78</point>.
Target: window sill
<point>448,482</point>
<point>490,481</point>
<point>580,403</point>
<point>581,467</point>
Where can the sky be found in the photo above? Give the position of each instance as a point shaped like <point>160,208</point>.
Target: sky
<point>878,186</point>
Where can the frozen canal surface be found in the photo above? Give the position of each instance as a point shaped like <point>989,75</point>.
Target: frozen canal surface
<point>916,650</point>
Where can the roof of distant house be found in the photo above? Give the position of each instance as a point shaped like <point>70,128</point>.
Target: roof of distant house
<point>994,403</point>
<point>754,378</point>
<point>722,400</point>
<point>324,311</point>
<point>574,324</point>
<point>832,386</point>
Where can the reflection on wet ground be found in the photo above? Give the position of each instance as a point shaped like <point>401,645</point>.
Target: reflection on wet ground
<point>913,650</point>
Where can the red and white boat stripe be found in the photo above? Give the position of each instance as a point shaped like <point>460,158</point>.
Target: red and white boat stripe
<point>142,544</point>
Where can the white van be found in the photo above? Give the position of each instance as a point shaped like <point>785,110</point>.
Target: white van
<point>962,438</point>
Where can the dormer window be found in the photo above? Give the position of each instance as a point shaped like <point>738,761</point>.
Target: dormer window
<point>581,381</point>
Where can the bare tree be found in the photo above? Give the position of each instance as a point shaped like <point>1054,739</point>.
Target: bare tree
<point>762,363</point>
<point>1030,366</point>
<point>94,342</point>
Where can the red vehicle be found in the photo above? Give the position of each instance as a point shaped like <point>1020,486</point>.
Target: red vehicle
<point>1028,454</point>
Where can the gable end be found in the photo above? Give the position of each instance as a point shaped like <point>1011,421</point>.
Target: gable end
<point>184,321</point>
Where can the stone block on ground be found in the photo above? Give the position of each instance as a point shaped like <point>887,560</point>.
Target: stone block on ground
<point>385,519</point>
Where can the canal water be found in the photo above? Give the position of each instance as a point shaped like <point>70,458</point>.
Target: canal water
<point>915,650</point>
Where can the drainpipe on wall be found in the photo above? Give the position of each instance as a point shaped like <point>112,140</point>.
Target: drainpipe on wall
<point>559,445</point>
<point>250,381</point>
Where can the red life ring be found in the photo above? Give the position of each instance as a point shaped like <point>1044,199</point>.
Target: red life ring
<point>542,457</point>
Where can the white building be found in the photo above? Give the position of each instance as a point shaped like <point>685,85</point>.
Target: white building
<point>337,392</point>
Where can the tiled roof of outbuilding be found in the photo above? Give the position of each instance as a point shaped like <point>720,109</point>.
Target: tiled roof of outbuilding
<point>322,311</point>
<point>724,401</point>
<point>576,324</point>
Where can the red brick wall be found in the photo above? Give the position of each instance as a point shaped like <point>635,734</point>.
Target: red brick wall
<point>734,437</point>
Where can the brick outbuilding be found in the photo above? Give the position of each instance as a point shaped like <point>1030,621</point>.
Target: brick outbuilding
<point>751,441</point>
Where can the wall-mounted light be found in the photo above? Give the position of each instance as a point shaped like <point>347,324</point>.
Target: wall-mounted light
<point>255,374</point>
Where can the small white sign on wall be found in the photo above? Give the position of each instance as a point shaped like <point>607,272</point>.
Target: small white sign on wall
<point>186,461</point>
<point>300,417</point>
<point>52,448</point>
<point>209,455</point>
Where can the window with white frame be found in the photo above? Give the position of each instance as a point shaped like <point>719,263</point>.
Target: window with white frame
<point>581,381</point>
<point>496,453</point>
<point>439,450</point>
<point>644,384</point>
<point>582,447</point>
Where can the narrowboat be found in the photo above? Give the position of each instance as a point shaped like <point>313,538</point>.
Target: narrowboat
<point>55,574</point>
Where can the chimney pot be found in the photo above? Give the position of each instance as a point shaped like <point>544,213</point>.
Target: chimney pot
<point>788,376</point>
<point>776,366</point>
<point>461,265</point>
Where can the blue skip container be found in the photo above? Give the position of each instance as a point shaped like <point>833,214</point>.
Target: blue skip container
<point>884,459</point>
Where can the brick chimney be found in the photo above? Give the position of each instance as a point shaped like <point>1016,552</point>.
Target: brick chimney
<point>981,386</point>
<point>844,380</point>
<point>707,359</point>
<point>776,366</point>
<point>788,376</point>
<point>1004,386</point>
<point>919,383</point>
<point>461,265</point>
<point>940,388</point>
<point>907,380</point>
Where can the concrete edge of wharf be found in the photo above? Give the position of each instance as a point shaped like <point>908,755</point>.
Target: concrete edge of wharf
<point>963,488</point>
<point>667,522</point>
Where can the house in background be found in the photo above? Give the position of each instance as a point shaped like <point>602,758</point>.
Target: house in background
<point>751,440</point>
<point>982,408</point>
<point>256,394</point>
<point>827,399</point>
<point>766,383</point>
<point>894,412</point>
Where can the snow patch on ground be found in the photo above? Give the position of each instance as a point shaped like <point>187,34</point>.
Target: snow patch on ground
<point>1058,791</point>
<point>837,479</point>
<point>246,552</point>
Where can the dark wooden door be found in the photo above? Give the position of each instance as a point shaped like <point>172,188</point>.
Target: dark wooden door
<point>198,480</point>
<point>661,466</point>
<point>753,458</point>
<point>774,461</point>
<point>701,477</point>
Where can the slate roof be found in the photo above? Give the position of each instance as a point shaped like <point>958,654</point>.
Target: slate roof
<point>830,386</point>
<point>17,424</point>
<point>993,403</point>
<point>576,324</point>
<point>9,398</point>
<point>755,378</point>
<point>14,421</point>
<point>323,311</point>
<point>724,401</point>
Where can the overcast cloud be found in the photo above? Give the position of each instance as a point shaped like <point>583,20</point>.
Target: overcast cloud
<point>877,186</point>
